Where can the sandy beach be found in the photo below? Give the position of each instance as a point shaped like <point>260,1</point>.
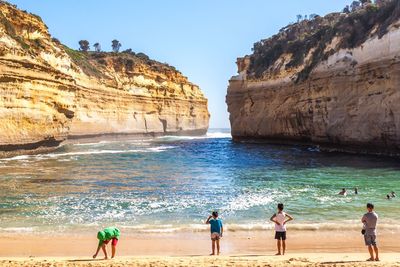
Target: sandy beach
<point>148,128</point>
<point>253,248</point>
<point>298,259</point>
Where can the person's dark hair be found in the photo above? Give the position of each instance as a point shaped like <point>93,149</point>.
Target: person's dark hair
<point>215,213</point>
<point>280,206</point>
<point>370,206</point>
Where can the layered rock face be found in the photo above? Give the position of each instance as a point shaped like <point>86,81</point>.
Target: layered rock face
<point>334,82</point>
<point>49,92</point>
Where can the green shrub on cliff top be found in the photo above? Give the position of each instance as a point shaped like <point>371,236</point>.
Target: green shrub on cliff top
<point>81,59</point>
<point>74,54</point>
<point>298,39</point>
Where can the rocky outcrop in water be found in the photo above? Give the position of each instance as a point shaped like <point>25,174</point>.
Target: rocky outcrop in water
<point>49,92</point>
<point>332,81</point>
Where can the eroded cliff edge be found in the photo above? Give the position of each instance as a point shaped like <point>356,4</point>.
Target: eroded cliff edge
<point>49,92</point>
<point>332,81</point>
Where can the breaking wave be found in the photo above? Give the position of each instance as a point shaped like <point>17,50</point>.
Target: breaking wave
<point>210,135</point>
<point>87,153</point>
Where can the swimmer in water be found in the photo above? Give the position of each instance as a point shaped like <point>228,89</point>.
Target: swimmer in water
<point>343,192</point>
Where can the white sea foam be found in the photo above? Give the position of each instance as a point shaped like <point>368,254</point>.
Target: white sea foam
<point>88,144</point>
<point>246,201</point>
<point>18,229</point>
<point>66,160</point>
<point>325,199</point>
<point>102,143</point>
<point>354,226</point>
<point>160,148</point>
<point>147,228</point>
<point>212,135</point>
<point>209,135</point>
<point>232,227</point>
<point>22,157</point>
<point>219,135</point>
<point>88,152</point>
<point>93,152</point>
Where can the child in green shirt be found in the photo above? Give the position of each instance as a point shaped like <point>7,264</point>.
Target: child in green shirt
<point>104,237</point>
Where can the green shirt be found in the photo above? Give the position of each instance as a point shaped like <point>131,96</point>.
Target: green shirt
<point>108,234</point>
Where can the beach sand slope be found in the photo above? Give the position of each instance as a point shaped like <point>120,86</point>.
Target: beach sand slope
<point>304,259</point>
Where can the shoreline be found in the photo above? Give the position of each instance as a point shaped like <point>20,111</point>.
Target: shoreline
<point>50,145</point>
<point>296,228</point>
<point>186,243</point>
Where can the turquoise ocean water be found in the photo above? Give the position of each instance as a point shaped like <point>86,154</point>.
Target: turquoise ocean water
<point>170,184</point>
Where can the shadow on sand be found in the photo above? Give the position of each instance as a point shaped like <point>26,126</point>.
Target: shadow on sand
<point>85,260</point>
<point>340,262</point>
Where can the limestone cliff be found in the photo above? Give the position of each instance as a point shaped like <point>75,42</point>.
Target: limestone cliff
<point>332,81</point>
<point>49,92</point>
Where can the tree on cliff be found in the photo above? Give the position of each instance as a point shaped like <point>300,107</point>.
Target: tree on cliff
<point>143,56</point>
<point>379,3</point>
<point>97,47</point>
<point>363,2</point>
<point>129,51</point>
<point>84,45</point>
<point>299,17</point>
<point>355,6</point>
<point>346,9</point>
<point>312,16</point>
<point>116,45</point>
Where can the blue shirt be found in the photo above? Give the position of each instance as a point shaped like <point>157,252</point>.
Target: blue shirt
<point>216,225</point>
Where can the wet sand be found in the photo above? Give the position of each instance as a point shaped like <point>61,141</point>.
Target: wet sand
<point>252,248</point>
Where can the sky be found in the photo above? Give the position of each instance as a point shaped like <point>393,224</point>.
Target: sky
<point>200,38</point>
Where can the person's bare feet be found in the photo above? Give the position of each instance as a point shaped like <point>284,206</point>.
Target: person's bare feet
<point>370,259</point>
<point>212,254</point>
<point>278,254</point>
<point>377,259</point>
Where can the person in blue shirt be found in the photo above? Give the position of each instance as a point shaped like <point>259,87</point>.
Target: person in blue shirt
<point>216,230</point>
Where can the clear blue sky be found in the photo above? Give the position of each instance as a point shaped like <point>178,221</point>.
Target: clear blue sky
<point>201,38</point>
